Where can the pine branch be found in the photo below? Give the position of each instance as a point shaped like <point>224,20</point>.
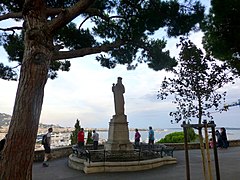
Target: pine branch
<point>86,51</point>
<point>11,28</point>
<point>11,15</point>
<point>67,15</point>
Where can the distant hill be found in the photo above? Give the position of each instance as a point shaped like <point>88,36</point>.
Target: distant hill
<point>48,126</point>
<point>6,118</point>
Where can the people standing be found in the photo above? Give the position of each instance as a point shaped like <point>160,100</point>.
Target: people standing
<point>211,143</point>
<point>47,147</point>
<point>2,144</point>
<point>137,139</point>
<point>81,138</point>
<point>150,137</point>
<point>223,134</point>
<point>95,140</point>
<point>219,139</point>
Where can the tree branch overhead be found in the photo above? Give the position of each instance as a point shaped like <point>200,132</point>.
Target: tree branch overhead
<point>12,15</point>
<point>67,15</point>
<point>86,51</point>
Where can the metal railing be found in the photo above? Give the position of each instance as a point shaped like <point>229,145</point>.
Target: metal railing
<point>144,152</point>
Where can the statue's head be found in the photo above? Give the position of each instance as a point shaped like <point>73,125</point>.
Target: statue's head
<point>119,79</point>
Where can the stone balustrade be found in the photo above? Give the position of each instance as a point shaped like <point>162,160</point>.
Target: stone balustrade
<point>66,151</point>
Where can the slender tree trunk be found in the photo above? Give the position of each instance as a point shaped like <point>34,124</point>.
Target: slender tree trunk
<point>19,150</point>
<point>203,154</point>
<point>208,153</point>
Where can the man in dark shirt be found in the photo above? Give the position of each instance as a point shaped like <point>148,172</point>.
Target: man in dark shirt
<point>47,148</point>
<point>2,143</point>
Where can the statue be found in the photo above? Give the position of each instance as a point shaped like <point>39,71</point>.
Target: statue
<point>118,91</point>
<point>118,133</point>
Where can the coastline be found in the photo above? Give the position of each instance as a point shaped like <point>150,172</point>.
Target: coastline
<point>61,136</point>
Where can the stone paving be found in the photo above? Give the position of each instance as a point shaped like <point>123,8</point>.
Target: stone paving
<point>229,163</point>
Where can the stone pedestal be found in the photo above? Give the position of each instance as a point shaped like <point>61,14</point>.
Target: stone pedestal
<point>118,134</point>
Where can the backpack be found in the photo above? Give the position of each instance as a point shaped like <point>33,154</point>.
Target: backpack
<point>44,139</point>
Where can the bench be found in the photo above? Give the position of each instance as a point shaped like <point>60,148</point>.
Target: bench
<point>80,152</point>
<point>167,151</point>
<point>161,149</point>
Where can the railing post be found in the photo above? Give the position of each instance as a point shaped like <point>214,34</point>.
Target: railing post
<point>139,155</point>
<point>104,155</point>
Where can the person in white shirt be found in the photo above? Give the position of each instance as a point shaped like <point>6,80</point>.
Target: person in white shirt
<point>95,140</point>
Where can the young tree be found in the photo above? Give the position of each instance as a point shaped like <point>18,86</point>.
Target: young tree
<point>119,30</point>
<point>221,32</point>
<point>195,87</point>
<point>74,134</point>
<point>89,137</point>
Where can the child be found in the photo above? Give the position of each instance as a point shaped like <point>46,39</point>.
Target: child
<point>211,145</point>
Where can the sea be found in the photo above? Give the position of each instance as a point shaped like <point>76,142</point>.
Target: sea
<point>232,134</point>
<point>63,139</point>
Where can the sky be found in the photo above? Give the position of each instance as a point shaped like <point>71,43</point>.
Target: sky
<point>85,93</point>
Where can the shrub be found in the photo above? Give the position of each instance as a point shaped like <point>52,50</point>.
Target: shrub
<point>178,137</point>
<point>75,133</point>
<point>191,135</point>
<point>175,137</point>
<point>89,137</point>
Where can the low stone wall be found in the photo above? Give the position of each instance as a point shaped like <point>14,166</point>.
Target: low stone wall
<point>234,143</point>
<point>180,146</point>
<point>66,151</point>
<point>56,153</point>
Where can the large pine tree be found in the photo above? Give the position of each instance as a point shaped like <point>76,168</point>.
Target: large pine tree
<point>119,31</point>
<point>221,32</point>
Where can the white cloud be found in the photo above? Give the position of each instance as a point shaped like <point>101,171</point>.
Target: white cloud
<point>7,95</point>
<point>85,93</point>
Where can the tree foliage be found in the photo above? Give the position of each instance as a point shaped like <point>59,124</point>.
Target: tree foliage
<point>121,29</point>
<point>53,31</point>
<point>195,84</point>
<point>195,88</point>
<point>175,137</point>
<point>89,137</point>
<point>178,137</point>
<point>74,135</point>
<point>221,32</point>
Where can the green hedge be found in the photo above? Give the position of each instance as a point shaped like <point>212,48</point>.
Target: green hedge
<point>178,137</point>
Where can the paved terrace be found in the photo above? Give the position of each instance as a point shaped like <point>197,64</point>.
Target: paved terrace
<point>229,164</point>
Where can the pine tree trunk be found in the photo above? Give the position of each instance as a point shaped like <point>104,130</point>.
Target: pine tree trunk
<point>19,150</point>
